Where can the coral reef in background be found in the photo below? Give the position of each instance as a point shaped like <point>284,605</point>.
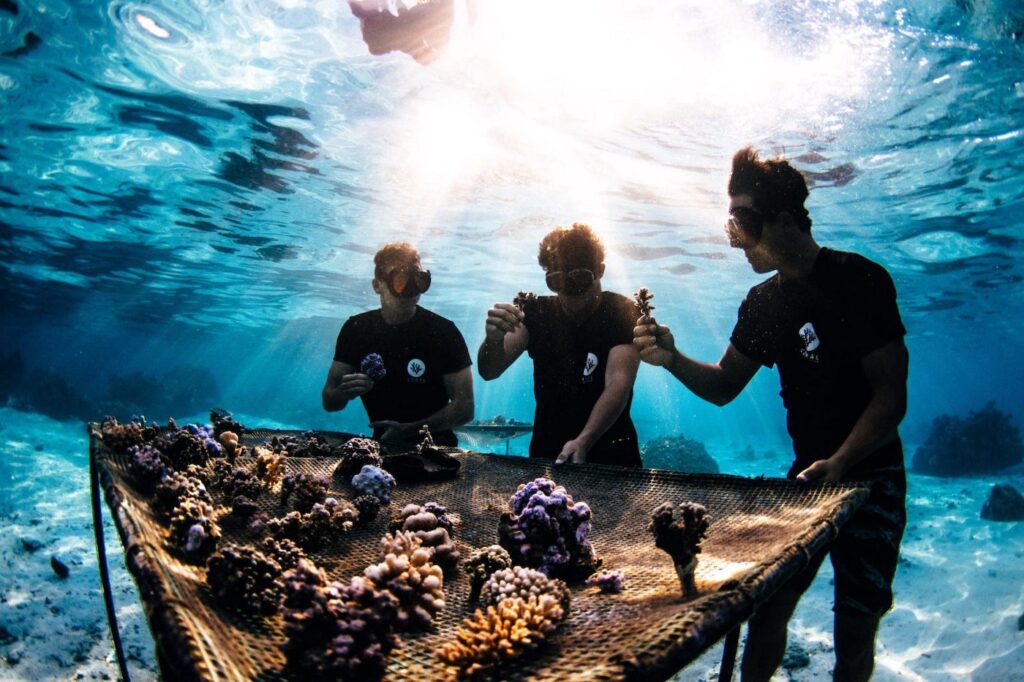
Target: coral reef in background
<point>431,525</point>
<point>678,530</point>
<point>408,573</point>
<point>246,579</point>
<point>336,631</point>
<point>502,633</point>
<point>522,583</point>
<point>678,453</point>
<point>374,481</point>
<point>1004,503</point>
<point>373,367</point>
<point>984,441</point>
<point>545,529</point>
<point>611,582</point>
<point>183,390</point>
<point>355,453</point>
<point>482,563</point>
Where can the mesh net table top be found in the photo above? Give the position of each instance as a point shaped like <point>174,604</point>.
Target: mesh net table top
<point>762,532</point>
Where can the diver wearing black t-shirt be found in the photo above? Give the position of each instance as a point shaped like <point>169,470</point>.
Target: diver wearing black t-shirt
<point>584,362</point>
<point>830,322</point>
<point>410,366</point>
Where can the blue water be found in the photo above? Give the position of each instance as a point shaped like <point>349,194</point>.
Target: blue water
<point>203,184</point>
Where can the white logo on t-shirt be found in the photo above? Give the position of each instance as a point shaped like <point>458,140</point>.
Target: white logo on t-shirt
<point>590,365</point>
<point>416,368</point>
<point>810,337</point>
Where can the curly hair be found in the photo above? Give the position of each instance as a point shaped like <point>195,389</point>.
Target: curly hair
<point>774,185</point>
<point>566,248</point>
<point>394,255</point>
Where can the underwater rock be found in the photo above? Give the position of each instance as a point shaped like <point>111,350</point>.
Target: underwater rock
<point>545,529</point>
<point>6,637</point>
<point>59,567</point>
<point>502,633</point>
<point>796,657</point>
<point>678,453</point>
<point>1004,503</point>
<point>984,441</point>
<point>356,453</point>
<point>31,545</point>
<point>678,531</point>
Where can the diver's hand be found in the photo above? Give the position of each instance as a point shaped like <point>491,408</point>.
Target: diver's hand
<point>822,471</point>
<point>502,319</point>
<point>395,431</point>
<point>655,342</point>
<point>354,385</point>
<point>575,451</point>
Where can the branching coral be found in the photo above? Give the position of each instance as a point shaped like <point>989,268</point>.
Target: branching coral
<point>191,444</point>
<point>270,466</point>
<point>523,298</point>
<point>521,582</point>
<point>246,579</point>
<point>230,445</point>
<point>355,453</point>
<point>176,487</point>
<point>374,481</point>
<point>545,529</point>
<point>611,582</point>
<point>119,437</point>
<point>643,301</point>
<point>222,422</point>
<point>193,529</point>
<point>679,531</point>
<point>415,581</point>
<point>431,524</point>
<point>310,446</point>
<point>482,563</point>
<point>146,466</point>
<point>502,633</point>
<point>373,367</point>
<point>285,552</point>
<point>305,490</point>
<point>321,524</point>
<point>336,631</point>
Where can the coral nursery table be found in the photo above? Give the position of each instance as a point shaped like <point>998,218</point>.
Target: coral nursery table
<point>762,532</point>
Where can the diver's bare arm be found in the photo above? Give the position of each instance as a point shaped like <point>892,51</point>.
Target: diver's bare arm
<point>506,339</point>
<point>717,383</point>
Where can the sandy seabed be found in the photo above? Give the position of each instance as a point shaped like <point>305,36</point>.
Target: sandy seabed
<point>959,588</point>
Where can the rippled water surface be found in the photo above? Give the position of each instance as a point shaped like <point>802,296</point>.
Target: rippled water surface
<point>205,183</point>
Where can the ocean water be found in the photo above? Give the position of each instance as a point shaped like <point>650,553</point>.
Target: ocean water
<point>191,193</point>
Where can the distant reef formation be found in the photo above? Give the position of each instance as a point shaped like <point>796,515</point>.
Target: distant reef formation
<point>1004,503</point>
<point>678,453</point>
<point>182,390</point>
<point>982,442</point>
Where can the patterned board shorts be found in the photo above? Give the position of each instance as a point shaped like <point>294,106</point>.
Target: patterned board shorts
<point>866,552</point>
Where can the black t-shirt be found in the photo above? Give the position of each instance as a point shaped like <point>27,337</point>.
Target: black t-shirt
<point>417,354</point>
<point>569,362</point>
<point>817,329</point>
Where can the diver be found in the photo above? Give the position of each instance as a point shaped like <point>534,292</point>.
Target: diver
<point>584,362</point>
<point>829,320</point>
<point>410,367</point>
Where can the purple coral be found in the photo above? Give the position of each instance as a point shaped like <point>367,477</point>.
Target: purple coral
<point>222,422</point>
<point>356,453</point>
<point>320,524</point>
<point>336,631</point>
<point>374,481</point>
<point>283,551</point>
<point>611,582</point>
<point>369,508</point>
<point>679,531</point>
<point>373,367</point>
<point>545,529</point>
<point>146,466</point>
<point>246,579</point>
<point>191,444</point>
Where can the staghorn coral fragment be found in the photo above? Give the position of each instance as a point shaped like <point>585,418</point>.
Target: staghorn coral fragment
<point>611,582</point>
<point>374,481</point>
<point>269,466</point>
<point>500,634</point>
<point>336,631</point>
<point>679,531</point>
<point>545,529</point>
<point>430,523</point>
<point>415,581</point>
<point>521,582</point>
<point>193,529</point>
<point>373,367</point>
<point>643,301</point>
<point>482,563</point>
<point>354,454</point>
<point>246,579</point>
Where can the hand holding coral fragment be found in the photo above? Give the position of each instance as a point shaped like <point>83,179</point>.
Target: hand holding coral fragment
<point>354,385</point>
<point>655,342</point>
<point>502,319</point>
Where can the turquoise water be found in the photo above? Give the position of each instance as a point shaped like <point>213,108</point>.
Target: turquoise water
<point>203,184</point>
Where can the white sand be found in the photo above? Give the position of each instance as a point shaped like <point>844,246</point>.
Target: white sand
<point>959,589</point>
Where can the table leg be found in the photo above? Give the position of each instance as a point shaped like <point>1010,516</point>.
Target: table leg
<point>732,641</point>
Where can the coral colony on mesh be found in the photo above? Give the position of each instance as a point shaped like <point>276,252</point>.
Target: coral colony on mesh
<point>199,477</point>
